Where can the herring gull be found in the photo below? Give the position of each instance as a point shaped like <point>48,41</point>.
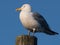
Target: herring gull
<point>33,21</point>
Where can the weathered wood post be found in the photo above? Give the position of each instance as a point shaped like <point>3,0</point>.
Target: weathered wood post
<point>26,40</point>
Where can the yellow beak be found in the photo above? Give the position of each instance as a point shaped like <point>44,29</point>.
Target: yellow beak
<point>18,9</point>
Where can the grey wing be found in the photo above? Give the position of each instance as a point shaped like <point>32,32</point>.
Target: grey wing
<point>40,19</point>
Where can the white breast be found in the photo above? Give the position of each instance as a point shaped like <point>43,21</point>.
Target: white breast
<point>27,19</point>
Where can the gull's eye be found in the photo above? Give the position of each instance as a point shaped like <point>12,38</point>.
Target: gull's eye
<point>23,6</point>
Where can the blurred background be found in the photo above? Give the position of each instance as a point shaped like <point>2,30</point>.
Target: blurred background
<point>11,27</point>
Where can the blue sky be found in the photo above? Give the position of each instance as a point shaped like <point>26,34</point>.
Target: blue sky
<point>11,27</point>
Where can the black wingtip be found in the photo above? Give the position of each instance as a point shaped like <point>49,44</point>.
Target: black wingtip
<point>57,33</point>
<point>50,32</point>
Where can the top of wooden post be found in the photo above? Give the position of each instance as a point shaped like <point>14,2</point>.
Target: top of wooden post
<point>26,40</point>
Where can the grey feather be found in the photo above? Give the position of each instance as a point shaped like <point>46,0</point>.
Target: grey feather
<point>40,19</point>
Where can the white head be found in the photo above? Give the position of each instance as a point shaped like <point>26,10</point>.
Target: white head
<point>25,7</point>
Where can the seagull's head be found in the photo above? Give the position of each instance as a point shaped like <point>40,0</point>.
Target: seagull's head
<point>25,7</point>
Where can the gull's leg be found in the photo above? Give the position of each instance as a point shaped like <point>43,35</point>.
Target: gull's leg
<point>33,31</point>
<point>29,33</point>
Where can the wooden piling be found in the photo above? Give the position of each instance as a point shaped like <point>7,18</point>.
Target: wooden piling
<point>26,40</point>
